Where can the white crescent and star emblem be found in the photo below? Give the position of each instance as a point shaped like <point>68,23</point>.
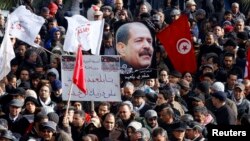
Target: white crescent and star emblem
<point>183,46</point>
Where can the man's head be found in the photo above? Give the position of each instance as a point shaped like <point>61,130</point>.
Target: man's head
<point>118,4</point>
<point>125,111</point>
<point>235,7</point>
<point>200,114</point>
<point>128,89</point>
<point>138,98</point>
<point>179,129</point>
<point>175,14</point>
<point>15,107</point>
<point>78,119</point>
<point>151,118</point>
<point>194,130</point>
<point>103,109</point>
<point>238,91</point>
<point>48,129</point>
<point>109,121</point>
<point>219,98</point>
<point>159,134</point>
<point>134,44</point>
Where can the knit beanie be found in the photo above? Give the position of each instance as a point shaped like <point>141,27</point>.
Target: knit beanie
<point>53,117</point>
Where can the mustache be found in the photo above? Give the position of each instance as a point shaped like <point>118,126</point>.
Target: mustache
<point>146,52</point>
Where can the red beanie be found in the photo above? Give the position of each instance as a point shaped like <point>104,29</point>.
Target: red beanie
<point>52,8</point>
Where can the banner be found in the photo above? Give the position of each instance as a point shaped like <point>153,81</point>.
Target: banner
<point>83,32</point>
<point>6,53</point>
<point>176,39</point>
<point>101,78</point>
<point>25,25</point>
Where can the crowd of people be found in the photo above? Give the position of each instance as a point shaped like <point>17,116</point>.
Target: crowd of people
<point>172,107</point>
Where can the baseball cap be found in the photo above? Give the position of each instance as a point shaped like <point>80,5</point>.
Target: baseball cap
<point>186,118</point>
<point>150,114</point>
<point>50,125</point>
<point>199,97</point>
<point>16,103</point>
<point>240,86</point>
<point>180,126</point>
<point>56,85</point>
<point>138,93</point>
<point>194,125</point>
<point>220,95</point>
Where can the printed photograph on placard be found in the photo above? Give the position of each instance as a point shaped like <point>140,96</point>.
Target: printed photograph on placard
<point>135,45</point>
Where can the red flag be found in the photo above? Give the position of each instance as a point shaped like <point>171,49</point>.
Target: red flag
<point>176,39</point>
<point>79,72</point>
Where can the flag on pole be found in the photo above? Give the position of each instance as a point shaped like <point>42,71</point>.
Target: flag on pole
<point>176,39</point>
<point>6,52</point>
<point>84,32</point>
<point>79,72</point>
<point>25,25</point>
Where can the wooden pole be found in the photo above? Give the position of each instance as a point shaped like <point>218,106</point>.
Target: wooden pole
<point>69,97</point>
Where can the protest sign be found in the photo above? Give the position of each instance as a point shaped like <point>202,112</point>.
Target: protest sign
<point>101,78</point>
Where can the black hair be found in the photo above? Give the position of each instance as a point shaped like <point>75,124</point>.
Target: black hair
<point>229,54</point>
<point>159,131</point>
<point>164,93</point>
<point>81,113</point>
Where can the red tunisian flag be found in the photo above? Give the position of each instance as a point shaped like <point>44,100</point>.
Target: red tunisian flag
<point>176,39</point>
<point>79,72</point>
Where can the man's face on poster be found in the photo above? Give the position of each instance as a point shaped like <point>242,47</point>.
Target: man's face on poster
<point>139,50</point>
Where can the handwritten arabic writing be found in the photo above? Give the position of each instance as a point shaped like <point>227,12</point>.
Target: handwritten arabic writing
<point>102,85</point>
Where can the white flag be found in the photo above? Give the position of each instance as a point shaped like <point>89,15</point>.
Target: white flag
<point>85,33</point>
<point>25,25</point>
<point>6,53</point>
